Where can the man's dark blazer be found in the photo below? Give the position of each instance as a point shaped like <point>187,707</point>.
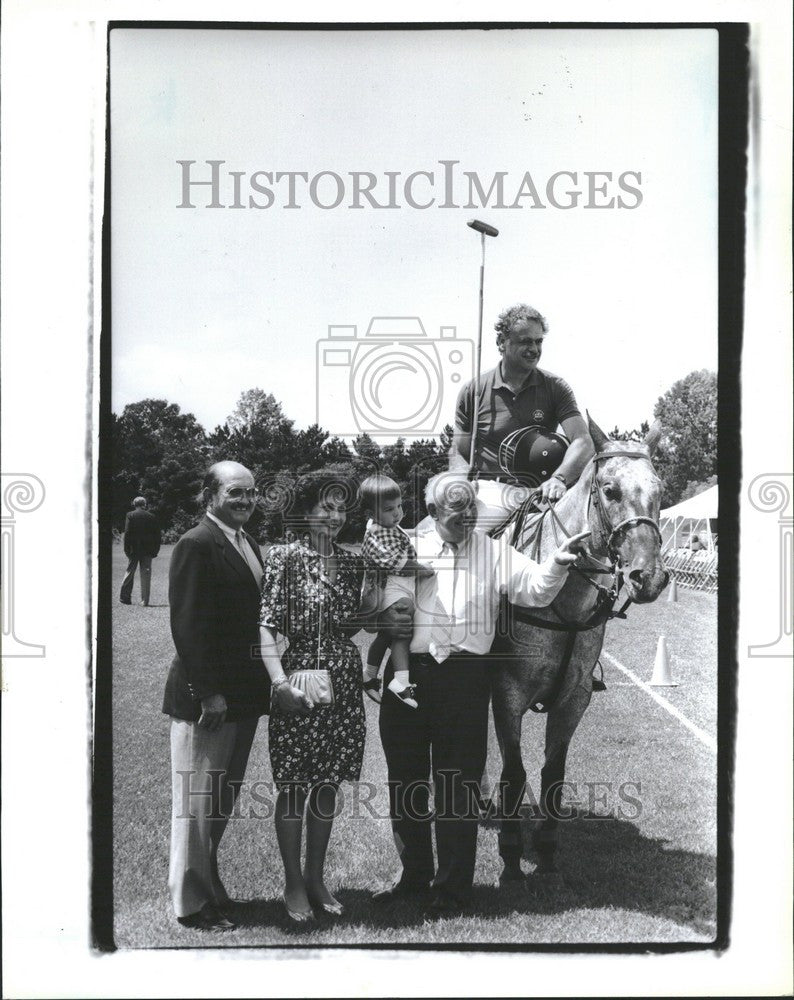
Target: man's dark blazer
<point>214,622</point>
<point>141,534</point>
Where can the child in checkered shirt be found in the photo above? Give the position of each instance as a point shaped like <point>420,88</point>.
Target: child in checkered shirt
<point>391,570</point>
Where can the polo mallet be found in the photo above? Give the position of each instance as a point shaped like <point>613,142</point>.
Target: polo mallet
<point>484,230</point>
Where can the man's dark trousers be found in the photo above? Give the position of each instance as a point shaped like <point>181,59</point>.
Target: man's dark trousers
<point>141,545</point>
<point>145,564</point>
<point>447,735</point>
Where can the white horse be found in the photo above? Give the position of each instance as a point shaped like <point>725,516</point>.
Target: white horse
<point>547,655</point>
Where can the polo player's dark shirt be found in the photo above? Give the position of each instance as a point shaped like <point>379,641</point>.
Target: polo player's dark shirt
<point>543,399</point>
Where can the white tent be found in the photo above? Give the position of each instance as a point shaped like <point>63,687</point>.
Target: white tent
<point>689,518</point>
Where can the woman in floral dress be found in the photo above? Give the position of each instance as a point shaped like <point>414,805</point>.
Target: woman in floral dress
<point>310,594</point>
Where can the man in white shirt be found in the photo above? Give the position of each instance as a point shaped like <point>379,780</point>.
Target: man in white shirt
<point>454,627</point>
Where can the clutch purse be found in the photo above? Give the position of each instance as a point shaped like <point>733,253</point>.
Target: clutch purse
<point>315,684</point>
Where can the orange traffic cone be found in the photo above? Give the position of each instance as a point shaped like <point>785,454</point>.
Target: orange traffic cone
<point>672,593</point>
<point>661,667</point>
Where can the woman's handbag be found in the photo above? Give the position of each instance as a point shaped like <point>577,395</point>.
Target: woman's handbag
<point>315,684</point>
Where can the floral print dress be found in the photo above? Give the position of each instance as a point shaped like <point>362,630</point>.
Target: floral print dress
<point>301,602</point>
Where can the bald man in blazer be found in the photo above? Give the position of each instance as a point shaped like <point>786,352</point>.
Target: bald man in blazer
<point>216,690</point>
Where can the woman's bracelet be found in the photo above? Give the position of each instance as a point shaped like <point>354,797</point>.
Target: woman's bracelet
<point>279,681</point>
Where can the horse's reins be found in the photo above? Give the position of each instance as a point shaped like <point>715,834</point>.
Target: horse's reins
<point>604,609</point>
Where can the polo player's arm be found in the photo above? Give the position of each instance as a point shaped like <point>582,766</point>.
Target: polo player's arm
<point>580,450</point>
<point>460,449</point>
<point>526,582</point>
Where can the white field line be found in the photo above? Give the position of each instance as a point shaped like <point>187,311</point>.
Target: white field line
<point>703,736</point>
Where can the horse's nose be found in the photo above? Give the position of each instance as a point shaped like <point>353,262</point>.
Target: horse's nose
<point>636,577</point>
<point>648,579</point>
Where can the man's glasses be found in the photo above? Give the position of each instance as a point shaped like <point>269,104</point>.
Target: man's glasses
<point>238,493</point>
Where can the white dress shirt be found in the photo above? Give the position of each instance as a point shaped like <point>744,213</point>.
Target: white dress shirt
<point>457,609</point>
<point>239,541</point>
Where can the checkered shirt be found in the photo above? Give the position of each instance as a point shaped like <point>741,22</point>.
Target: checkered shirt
<point>386,550</point>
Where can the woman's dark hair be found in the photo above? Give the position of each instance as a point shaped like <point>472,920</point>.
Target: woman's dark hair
<point>314,487</point>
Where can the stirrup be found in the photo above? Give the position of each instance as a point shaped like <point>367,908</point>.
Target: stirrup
<point>598,683</point>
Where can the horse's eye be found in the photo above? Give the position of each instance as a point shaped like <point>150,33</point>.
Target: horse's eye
<point>611,492</point>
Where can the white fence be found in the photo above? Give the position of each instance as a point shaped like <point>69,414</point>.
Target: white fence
<point>693,569</point>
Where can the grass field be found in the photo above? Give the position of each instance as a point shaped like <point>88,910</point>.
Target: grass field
<point>641,872</point>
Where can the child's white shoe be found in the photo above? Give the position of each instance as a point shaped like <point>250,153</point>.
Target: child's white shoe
<point>405,692</point>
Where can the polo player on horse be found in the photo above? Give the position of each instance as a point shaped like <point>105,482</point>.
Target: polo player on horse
<point>514,410</point>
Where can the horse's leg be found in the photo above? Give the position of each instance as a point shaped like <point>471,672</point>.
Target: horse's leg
<point>508,710</point>
<point>561,723</point>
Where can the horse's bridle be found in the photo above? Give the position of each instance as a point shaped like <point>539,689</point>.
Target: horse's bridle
<point>598,501</point>
<point>607,596</point>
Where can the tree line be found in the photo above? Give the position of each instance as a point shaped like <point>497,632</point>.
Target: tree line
<point>159,452</point>
<point>162,454</point>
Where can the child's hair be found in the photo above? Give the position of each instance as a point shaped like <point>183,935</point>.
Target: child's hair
<point>376,490</point>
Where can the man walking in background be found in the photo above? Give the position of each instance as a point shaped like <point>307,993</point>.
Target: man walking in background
<point>141,545</point>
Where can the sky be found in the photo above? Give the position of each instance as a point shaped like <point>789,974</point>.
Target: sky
<point>208,302</point>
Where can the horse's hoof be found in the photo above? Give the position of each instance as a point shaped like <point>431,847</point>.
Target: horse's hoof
<point>511,875</point>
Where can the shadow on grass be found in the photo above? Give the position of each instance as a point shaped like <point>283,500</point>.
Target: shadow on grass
<point>606,862</point>
<point>359,910</point>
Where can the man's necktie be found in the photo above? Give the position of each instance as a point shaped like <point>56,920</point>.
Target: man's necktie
<point>250,559</point>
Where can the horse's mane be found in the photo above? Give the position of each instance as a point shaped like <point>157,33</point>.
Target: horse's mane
<point>638,447</point>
